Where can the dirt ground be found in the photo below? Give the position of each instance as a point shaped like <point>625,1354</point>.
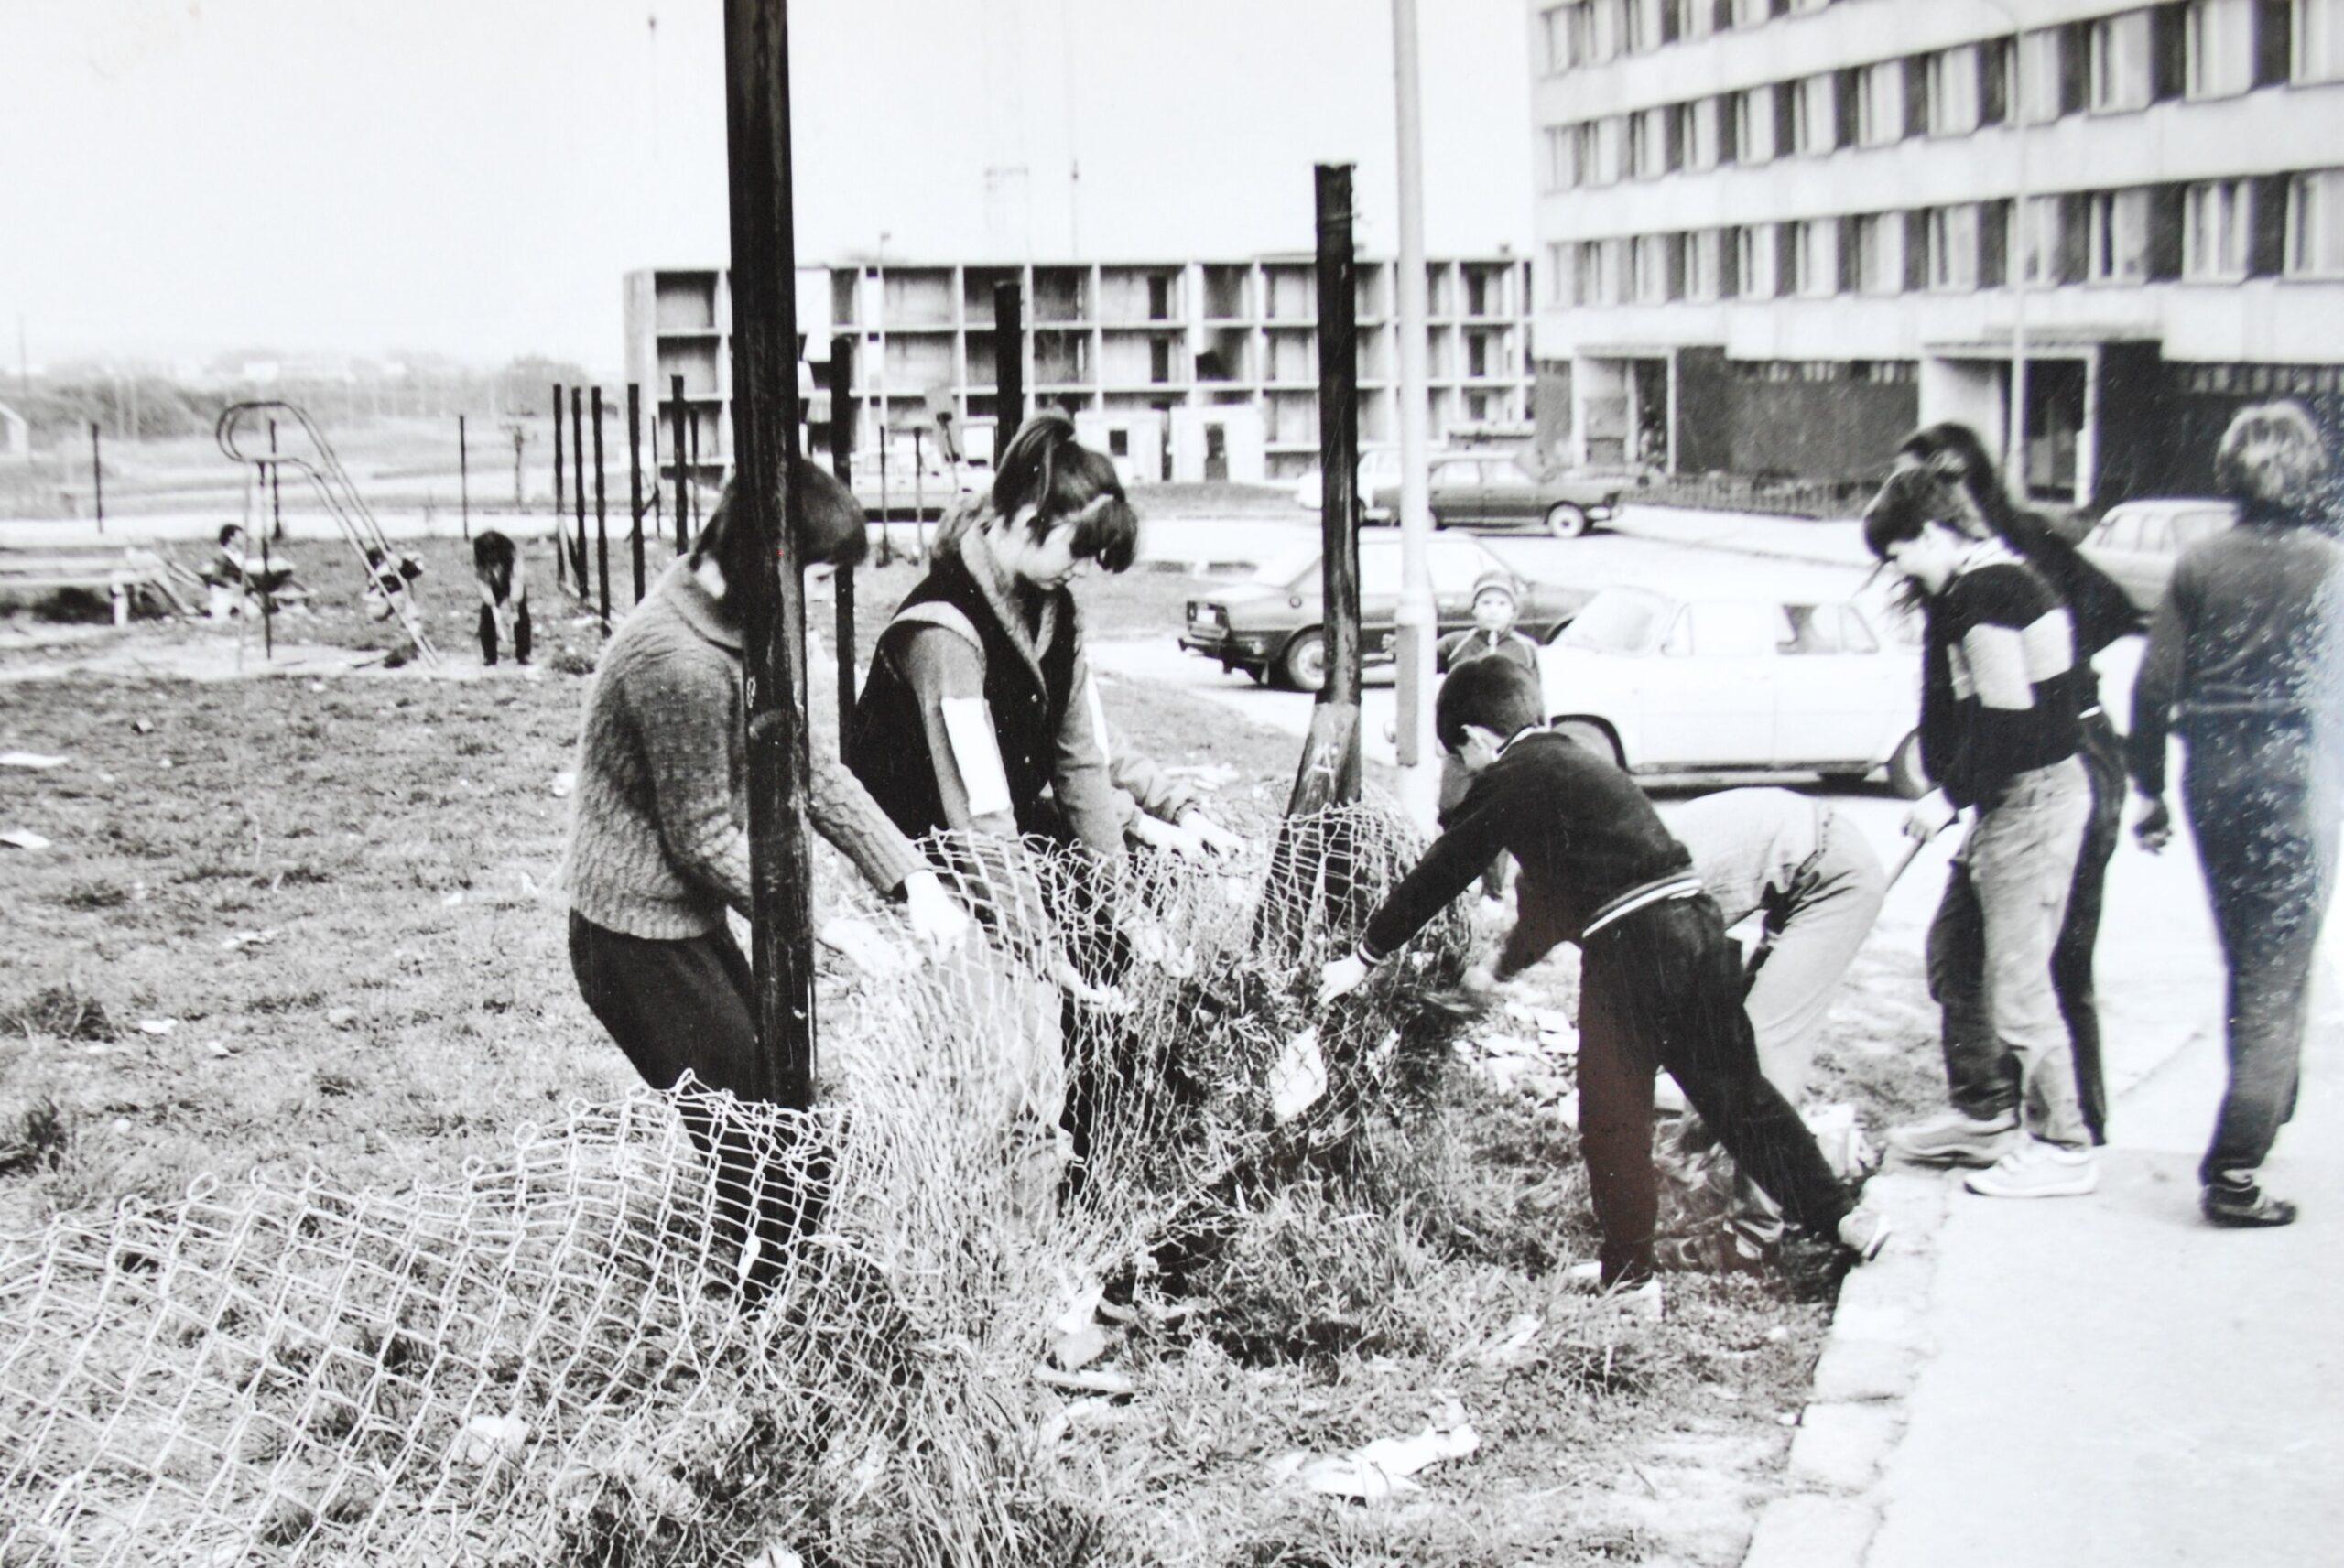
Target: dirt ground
<point>315,921</point>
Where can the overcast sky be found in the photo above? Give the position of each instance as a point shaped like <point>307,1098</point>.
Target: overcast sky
<point>473,176</point>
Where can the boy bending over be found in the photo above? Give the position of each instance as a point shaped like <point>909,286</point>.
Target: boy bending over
<point>1659,984</point>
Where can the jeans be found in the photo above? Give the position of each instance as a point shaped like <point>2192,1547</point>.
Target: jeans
<point>1990,953</point>
<point>1985,1085</point>
<point>2264,815</point>
<point>488,624</point>
<point>1662,988</point>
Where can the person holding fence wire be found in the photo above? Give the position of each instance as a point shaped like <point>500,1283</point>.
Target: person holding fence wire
<point>659,840</point>
<point>2247,660</point>
<point>979,724</point>
<point>2000,697</point>
<point>1660,987</point>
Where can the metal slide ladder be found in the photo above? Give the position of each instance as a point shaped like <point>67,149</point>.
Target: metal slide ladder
<point>332,482</point>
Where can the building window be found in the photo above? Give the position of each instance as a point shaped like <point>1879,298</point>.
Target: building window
<point>1879,262</point>
<point>2218,48</point>
<point>1953,92</point>
<point>1813,121</point>
<point>1642,32</point>
<point>1799,5</point>
<point>1815,257</point>
<point>2121,76</point>
<point>2214,231</point>
<point>1753,124</point>
<point>1754,261</point>
<point>1652,146</point>
<point>2318,40</point>
<point>2316,225</point>
<point>1559,257</point>
<point>1705,265</point>
<point>1610,141</point>
<point>2116,246</point>
<point>1605,27</point>
<point>2037,241</point>
<point>1953,247</point>
<point>1697,123</point>
<point>1750,13</point>
<point>1879,103</point>
<point>2042,67</point>
<point>1695,18</point>
<point>1651,257</point>
<point>1561,158</point>
<point>1601,265</point>
<point>1562,31</point>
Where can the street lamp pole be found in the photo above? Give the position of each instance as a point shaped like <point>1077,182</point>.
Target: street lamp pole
<point>1417,621</point>
<point>2014,422</point>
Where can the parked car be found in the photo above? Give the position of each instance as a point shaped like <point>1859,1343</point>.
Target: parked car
<point>1271,624</point>
<point>2137,542</point>
<point>1378,466</point>
<point>1662,685</point>
<point>1494,490</point>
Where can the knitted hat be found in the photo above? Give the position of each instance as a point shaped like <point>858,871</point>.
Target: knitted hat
<point>1501,582</point>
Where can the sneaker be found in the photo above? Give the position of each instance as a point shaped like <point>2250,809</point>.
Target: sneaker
<point>1863,1231</point>
<point>2034,1169</point>
<point>1952,1139</point>
<point>2235,1200</point>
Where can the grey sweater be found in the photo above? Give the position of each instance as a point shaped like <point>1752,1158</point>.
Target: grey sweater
<point>658,829</point>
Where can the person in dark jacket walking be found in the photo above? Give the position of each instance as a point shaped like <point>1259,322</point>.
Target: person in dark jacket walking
<point>2245,656</point>
<point>1999,699</point>
<point>1660,987</point>
<point>1958,480</point>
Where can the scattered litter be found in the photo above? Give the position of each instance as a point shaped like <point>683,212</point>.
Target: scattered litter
<point>122,1124</point>
<point>216,1049</point>
<point>488,1438</point>
<point>1236,891</point>
<point>528,886</point>
<point>563,783</point>
<point>1208,775</point>
<point>341,1017</point>
<point>1378,1469</point>
<point>775,1555</point>
<point>454,899</point>
<point>1298,1077</point>
<point>158,1026</point>
<point>29,760</point>
<point>1776,1334</point>
<point>142,727</point>
<point>1513,1344</point>
<point>243,939</point>
<point>1076,1338</point>
<point>1788,1418</point>
<point>1103,1380</point>
<point>23,838</point>
<point>1059,1422</point>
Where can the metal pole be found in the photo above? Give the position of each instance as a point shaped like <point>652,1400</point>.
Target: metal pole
<point>560,540</point>
<point>2016,465</point>
<point>920,490</point>
<point>97,478</point>
<point>886,497</point>
<point>841,390</point>
<point>602,516</point>
<point>464,474</point>
<point>765,379</point>
<point>1338,454</point>
<point>634,480</point>
<point>276,494</point>
<point>576,542</point>
<point>519,496</point>
<point>1417,621</point>
<point>676,406</point>
<point>1008,367</point>
<point>275,522</point>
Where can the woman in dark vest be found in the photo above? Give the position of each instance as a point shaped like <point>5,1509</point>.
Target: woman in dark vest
<point>979,724</point>
<point>2247,658</point>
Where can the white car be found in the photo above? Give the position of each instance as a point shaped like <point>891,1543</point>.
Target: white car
<point>1377,466</point>
<point>1664,685</point>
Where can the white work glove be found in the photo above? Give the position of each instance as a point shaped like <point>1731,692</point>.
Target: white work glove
<point>1341,978</point>
<point>940,923</point>
<point>1931,814</point>
<point>1215,840</point>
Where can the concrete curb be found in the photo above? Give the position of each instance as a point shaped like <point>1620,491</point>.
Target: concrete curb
<point>1876,1347</point>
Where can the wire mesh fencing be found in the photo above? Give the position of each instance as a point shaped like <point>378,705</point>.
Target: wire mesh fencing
<point>682,1329</point>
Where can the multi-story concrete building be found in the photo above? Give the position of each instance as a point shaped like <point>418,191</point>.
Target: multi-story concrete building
<point>1187,369</point>
<point>1775,234</point>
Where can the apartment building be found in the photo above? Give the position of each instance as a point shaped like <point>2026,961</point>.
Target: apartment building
<point>1776,234</point>
<point>1187,369</point>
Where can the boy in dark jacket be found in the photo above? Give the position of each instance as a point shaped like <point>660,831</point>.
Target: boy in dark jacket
<point>1659,984</point>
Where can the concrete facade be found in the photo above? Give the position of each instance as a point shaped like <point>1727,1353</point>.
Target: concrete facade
<point>1773,233</point>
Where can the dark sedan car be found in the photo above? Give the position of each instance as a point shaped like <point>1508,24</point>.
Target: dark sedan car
<point>1494,490</point>
<point>1271,624</point>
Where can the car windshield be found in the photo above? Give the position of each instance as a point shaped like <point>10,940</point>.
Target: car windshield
<point>1620,621</point>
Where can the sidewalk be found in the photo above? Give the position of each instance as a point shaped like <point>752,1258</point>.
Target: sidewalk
<point>2096,1380</point>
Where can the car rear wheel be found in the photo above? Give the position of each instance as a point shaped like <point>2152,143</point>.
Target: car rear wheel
<point>1303,666</point>
<point>1591,738</point>
<point>1564,521</point>
<point>1904,773</point>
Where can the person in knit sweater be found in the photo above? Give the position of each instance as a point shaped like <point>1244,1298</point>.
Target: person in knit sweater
<point>2247,655</point>
<point>2000,702</point>
<point>658,834</point>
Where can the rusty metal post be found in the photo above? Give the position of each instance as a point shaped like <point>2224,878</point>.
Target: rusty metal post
<point>1008,366</point>
<point>560,540</point>
<point>634,480</point>
<point>464,474</point>
<point>97,478</point>
<point>1338,453</point>
<point>576,542</point>
<point>602,516</point>
<point>676,406</point>
<point>765,421</point>
<point>841,390</point>
<point>275,525</point>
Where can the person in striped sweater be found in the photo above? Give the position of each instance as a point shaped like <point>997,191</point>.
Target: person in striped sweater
<point>2001,693</point>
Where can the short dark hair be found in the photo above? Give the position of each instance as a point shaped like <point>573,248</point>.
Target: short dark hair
<point>1911,500</point>
<point>1496,694</point>
<point>1046,469</point>
<point>835,531</point>
<point>228,531</point>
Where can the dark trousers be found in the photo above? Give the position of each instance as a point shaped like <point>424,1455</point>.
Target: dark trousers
<point>2265,822</point>
<point>684,1006</point>
<point>1984,1079</point>
<point>1662,988</point>
<point>520,633</point>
